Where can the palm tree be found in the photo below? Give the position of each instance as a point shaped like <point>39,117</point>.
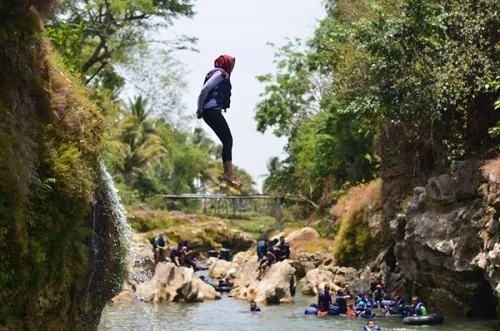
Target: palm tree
<point>138,143</point>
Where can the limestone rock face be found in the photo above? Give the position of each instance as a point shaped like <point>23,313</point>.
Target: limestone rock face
<point>361,282</point>
<point>304,262</point>
<point>316,279</point>
<point>141,264</point>
<point>276,286</point>
<point>488,259</point>
<point>171,283</point>
<point>303,234</point>
<point>443,246</point>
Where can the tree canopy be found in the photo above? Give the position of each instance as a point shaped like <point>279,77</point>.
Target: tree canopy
<point>384,88</point>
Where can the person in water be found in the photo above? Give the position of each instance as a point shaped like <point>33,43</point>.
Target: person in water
<point>205,280</point>
<point>417,307</point>
<point>371,326</point>
<point>350,311</point>
<point>253,306</point>
<point>378,294</point>
<point>214,97</point>
<point>340,300</point>
<point>324,299</point>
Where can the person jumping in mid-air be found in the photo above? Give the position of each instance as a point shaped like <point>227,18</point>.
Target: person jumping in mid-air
<point>215,96</point>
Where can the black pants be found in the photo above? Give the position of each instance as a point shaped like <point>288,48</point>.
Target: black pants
<point>217,122</point>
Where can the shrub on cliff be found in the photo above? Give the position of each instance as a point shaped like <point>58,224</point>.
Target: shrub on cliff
<point>356,241</point>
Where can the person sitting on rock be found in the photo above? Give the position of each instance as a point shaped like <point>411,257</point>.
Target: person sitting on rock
<point>266,262</point>
<point>188,260</point>
<point>284,249</point>
<point>417,307</point>
<point>371,326</point>
<point>160,246</point>
<point>253,306</point>
<point>324,298</point>
<point>262,246</point>
<point>177,255</point>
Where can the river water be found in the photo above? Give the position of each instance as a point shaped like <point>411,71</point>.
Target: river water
<point>232,314</point>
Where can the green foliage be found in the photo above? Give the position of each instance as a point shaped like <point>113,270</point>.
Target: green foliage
<point>139,145</point>
<point>253,223</point>
<point>431,69</point>
<point>290,99</point>
<point>327,147</point>
<point>353,242</point>
<point>50,135</point>
<point>96,35</point>
<point>411,85</point>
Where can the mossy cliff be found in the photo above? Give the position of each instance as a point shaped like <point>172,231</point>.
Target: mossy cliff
<point>50,136</point>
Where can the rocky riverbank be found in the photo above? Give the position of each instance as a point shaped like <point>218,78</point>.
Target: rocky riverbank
<point>445,250</point>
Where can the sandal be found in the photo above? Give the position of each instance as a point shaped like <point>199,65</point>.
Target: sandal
<point>230,180</point>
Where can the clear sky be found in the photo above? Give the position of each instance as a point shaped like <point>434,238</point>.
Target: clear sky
<point>242,28</point>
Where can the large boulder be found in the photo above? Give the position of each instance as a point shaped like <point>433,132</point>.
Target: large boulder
<point>316,279</point>
<point>305,261</point>
<point>361,282</point>
<point>277,284</point>
<point>438,249</point>
<point>218,268</point>
<point>141,260</point>
<point>304,234</point>
<point>171,283</point>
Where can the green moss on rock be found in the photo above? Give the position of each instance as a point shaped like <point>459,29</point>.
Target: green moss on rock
<point>50,136</point>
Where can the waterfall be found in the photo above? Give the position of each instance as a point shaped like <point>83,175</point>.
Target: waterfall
<point>118,213</point>
<point>109,245</point>
<point>134,258</point>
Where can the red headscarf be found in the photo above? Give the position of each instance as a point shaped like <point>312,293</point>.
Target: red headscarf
<point>225,62</point>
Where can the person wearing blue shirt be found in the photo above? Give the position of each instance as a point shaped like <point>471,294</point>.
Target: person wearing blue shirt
<point>340,300</point>
<point>417,307</point>
<point>324,299</point>
<point>378,294</point>
<point>262,249</point>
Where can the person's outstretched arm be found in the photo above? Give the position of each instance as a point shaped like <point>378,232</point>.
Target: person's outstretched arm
<point>211,83</point>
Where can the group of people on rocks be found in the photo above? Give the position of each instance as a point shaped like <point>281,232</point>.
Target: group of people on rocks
<point>271,251</point>
<point>180,255</point>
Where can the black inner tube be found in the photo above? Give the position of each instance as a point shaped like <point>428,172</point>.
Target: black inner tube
<point>432,319</point>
